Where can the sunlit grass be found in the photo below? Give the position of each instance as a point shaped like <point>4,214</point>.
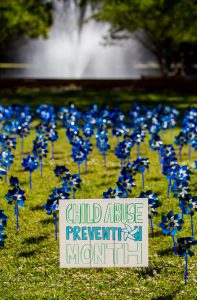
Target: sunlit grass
<point>30,260</point>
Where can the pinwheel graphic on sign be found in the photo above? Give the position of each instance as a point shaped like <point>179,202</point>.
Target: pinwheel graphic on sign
<point>132,232</point>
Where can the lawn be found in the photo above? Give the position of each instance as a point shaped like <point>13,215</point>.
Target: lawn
<point>29,266</point>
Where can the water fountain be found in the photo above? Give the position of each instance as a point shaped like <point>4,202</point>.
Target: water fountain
<point>74,51</point>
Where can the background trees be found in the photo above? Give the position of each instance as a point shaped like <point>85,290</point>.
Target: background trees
<point>166,28</point>
<point>23,17</point>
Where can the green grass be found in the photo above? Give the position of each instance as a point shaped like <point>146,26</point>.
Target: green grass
<point>29,263</point>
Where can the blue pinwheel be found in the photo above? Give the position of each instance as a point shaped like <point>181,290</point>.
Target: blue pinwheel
<point>3,224</point>
<point>40,150</point>
<point>79,154</point>
<point>115,193</point>
<point>7,142</point>
<point>30,164</point>
<point>184,250</point>
<point>170,225</point>
<point>3,172</point>
<point>22,130</point>
<point>88,149</point>
<point>140,165</point>
<point>6,159</point>
<point>138,137</point>
<point>125,183</point>
<point>61,172</point>
<point>72,183</point>
<point>88,130</point>
<point>16,196</point>
<point>123,150</point>
<point>180,188</point>
<point>102,144</point>
<point>181,140</point>
<point>45,112</point>
<point>52,136</point>
<point>52,205</point>
<point>170,169</point>
<point>14,181</point>
<point>188,205</point>
<point>153,204</point>
<point>155,142</point>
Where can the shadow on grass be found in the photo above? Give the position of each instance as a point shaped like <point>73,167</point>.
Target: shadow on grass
<point>47,221</point>
<point>113,168</point>
<point>36,208</point>
<point>166,252</point>
<point>155,178</point>
<point>35,239</point>
<point>169,296</point>
<point>158,234</point>
<point>27,253</point>
<point>149,271</point>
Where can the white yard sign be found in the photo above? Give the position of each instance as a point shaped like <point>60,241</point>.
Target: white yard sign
<point>103,233</point>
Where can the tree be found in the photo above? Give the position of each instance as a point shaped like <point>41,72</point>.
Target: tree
<point>161,26</point>
<point>23,17</point>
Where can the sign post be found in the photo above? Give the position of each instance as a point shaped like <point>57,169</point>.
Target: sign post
<point>98,233</point>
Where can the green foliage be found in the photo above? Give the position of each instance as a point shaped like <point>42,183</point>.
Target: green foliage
<point>23,17</point>
<point>162,26</point>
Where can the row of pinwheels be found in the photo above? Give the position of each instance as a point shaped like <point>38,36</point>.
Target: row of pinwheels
<point>94,121</point>
<point>178,183</point>
<point>80,127</point>
<point>188,132</point>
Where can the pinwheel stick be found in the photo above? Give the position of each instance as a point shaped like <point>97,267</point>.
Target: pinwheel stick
<point>122,163</point>
<point>174,244</point>
<point>117,140</point>
<point>169,186</point>
<point>138,150</point>
<point>52,150</point>
<point>151,225</point>
<point>189,152</point>
<point>143,180</point>
<point>180,153</point>
<point>160,160</point>
<point>86,166</point>
<point>74,193</point>
<point>186,269</point>
<point>41,167</point>
<point>30,180</point>
<point>6,175</point>
<point>104,159</point>
<point>56,225</point>
<point>22,145</point>
<point>192,225</point>
<point>16,212</point>
<point>79,172</point>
